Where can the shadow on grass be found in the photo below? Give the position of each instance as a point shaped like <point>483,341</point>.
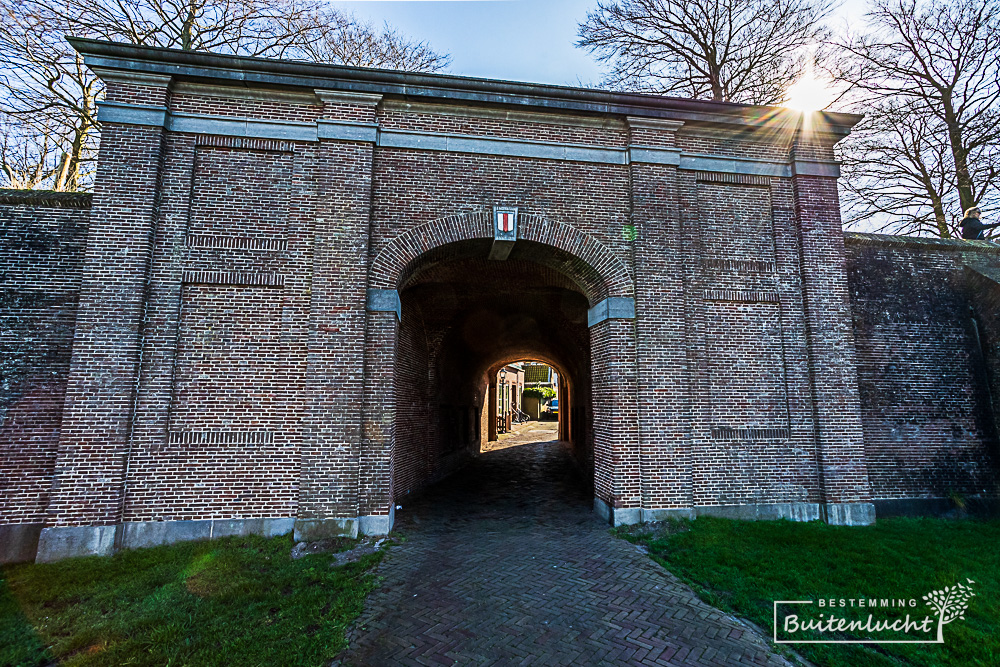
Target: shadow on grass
<point>235,601</point>
<point>20,645</point>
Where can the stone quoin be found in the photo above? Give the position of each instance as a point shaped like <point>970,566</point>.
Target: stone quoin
<point>285,307</point>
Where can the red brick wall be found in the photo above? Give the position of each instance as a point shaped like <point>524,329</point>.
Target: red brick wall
<point>928,427</point>
<point>41,252</point>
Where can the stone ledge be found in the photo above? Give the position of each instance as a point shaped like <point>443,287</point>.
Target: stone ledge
<point>920,243</point>
<point>46,198</point>
<point>843,514</point>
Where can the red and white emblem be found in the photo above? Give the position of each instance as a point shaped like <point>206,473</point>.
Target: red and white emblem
<point>505,221</point>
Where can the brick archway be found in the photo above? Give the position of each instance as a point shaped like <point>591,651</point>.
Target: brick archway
<point>605,284</point>
<point>583,258</point>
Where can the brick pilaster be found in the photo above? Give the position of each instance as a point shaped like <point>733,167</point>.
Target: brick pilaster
<point>375,500</point>
<point>88,486</point>
<point>845,489</point>
<point>335,384</point>
<point>617,474</point>
<point>661,344</point>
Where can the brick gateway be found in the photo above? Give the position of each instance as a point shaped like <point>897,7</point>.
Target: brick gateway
<point>292,297</point>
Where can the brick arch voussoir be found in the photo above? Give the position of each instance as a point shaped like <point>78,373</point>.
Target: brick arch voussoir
<point>591,264</point>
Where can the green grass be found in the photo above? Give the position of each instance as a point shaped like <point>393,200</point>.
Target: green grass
<point>235,601</point>
<point>743,567</point>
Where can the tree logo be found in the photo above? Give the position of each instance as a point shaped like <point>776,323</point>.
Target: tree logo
<point>870,620</point>
<point>950,603</point>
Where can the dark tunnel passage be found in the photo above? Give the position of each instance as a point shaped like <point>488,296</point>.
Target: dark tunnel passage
<point>463,318</point>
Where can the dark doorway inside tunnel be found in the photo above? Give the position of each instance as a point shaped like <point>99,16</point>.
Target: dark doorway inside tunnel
<point>468,327</point>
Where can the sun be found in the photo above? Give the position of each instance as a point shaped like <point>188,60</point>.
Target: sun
<point>809,93</point>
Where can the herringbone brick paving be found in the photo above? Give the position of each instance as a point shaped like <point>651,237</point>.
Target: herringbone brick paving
<point>505,564</point>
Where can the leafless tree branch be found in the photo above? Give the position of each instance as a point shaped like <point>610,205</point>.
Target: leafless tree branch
<point>732,50</point>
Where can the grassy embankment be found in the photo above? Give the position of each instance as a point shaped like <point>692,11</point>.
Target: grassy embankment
<point>742,567</point>
<point>235,601</point>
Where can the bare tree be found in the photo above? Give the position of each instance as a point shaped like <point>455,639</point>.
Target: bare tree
<point>45,85</point>
<point>746,51</point>
<point>270,28</point>
<point>897,173</point>
<point>936,59</point>
<point>344,40</point>
<point>26,157</point>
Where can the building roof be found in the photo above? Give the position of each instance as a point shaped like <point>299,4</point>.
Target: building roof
<point>536,373</point>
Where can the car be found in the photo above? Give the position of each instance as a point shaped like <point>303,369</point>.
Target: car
<point>554,406</point>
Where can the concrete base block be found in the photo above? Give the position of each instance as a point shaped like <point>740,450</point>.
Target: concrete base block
<point>763,511</point>
<point>850,514</point>
<point>19,542</point>
<point>760,512</point>
<point>263,527</point>
<point>377,524</point>
<point>311,530</point>
<point>666,514</point>
<point>59,542</point>
<point>138,535</point>
<point>617,516</point>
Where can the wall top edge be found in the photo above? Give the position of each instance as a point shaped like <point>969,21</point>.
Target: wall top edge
<point>254,72</point>
<point>921,242</point>
<point>46,198</point>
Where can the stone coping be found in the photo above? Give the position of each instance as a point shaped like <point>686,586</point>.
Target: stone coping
<point>921,243</point>
<point>46,198</point>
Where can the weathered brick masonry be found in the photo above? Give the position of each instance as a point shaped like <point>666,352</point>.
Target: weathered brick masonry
<point>42,241</point>
<point>293,302</point>
<point>926,315</point>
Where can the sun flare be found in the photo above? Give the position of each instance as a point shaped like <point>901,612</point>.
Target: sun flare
<point>809,93</point>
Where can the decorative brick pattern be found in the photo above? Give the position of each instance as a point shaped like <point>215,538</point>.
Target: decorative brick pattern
<point>232,278</point>
<point>741,296</point>
<point>723,433</point>
<point>739,265</point>
<point>737,179</point>
<point>244,143</point>
<point>221,438</point>
<point>236,242</point>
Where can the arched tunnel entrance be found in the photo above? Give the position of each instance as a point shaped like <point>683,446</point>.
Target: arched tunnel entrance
<point>463,318</point>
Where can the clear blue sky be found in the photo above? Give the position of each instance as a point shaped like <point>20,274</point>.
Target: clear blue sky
<point>517,40</point>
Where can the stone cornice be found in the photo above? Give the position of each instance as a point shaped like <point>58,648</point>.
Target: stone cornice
<point>259,72</point>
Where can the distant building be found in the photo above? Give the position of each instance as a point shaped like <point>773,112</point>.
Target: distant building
<point>509,390</point>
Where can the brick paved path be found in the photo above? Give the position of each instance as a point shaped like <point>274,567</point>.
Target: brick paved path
<point>505,564</point>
